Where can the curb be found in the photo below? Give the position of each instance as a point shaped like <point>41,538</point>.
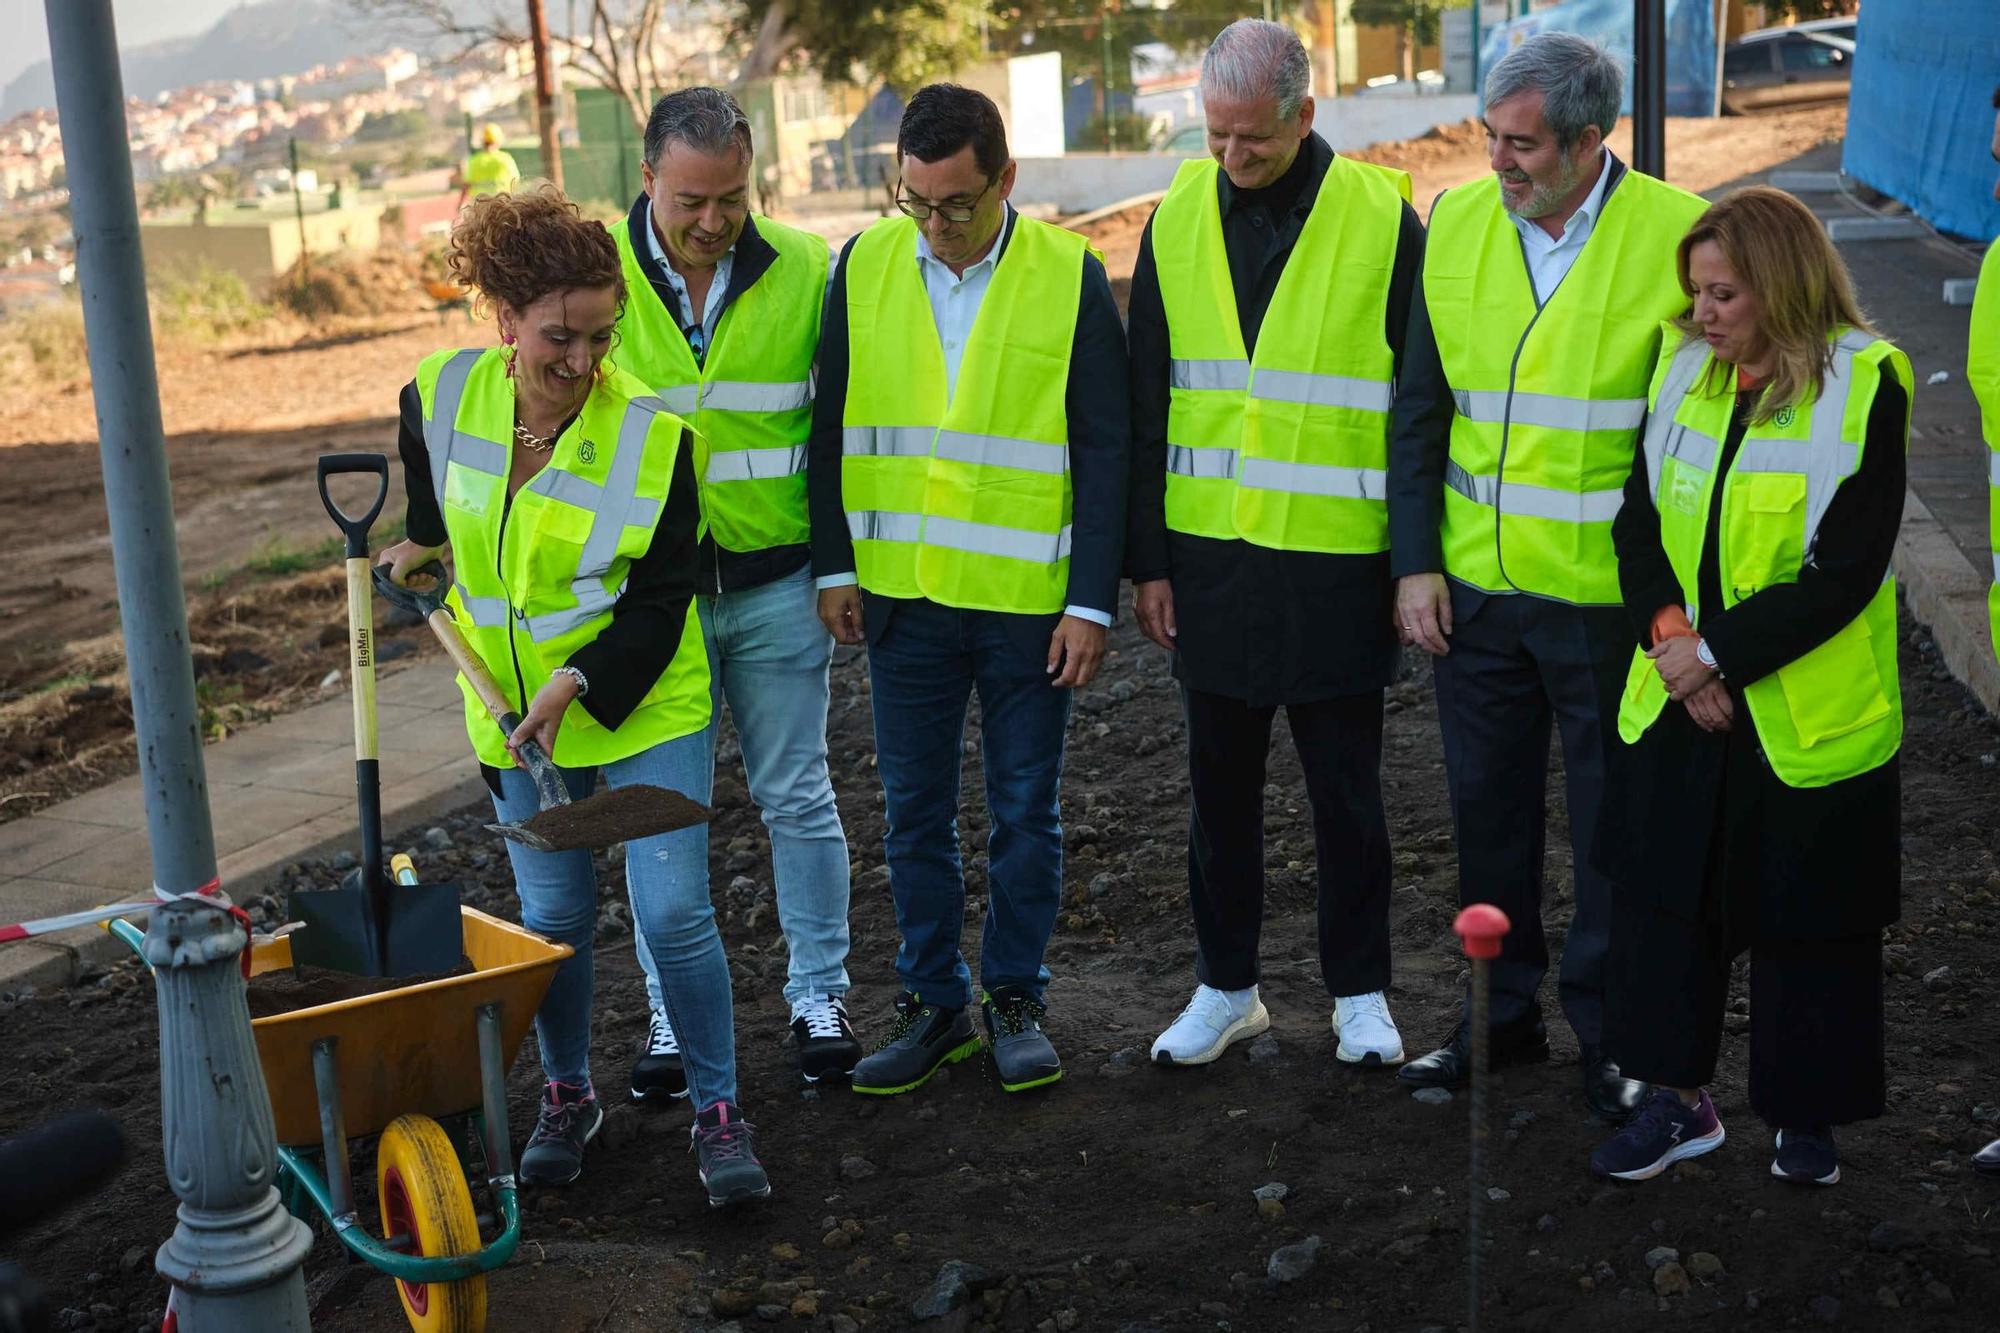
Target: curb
<point>1947,592</point>
<point>58,960</point>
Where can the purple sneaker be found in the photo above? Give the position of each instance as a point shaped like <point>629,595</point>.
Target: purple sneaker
<point>1664,1130</point>
<point>726,1156</point>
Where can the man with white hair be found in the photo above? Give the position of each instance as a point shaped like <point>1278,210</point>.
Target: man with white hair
<point>1267,318</point>
<point>1532,341</point>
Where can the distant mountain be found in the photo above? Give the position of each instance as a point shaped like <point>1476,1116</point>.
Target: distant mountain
<point>253,41</point>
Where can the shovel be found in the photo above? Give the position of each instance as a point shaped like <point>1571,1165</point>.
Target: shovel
<point>617,814</point>
<point>368,926</point>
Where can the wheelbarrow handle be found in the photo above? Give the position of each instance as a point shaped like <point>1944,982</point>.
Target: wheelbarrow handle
<point>355,529</point>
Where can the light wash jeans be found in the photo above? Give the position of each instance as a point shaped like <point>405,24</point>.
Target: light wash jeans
<point>670,902</point>
<point>768,656</point>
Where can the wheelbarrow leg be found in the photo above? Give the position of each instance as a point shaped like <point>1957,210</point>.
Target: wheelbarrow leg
<point>493,1098</point>
<point>333,1132</point>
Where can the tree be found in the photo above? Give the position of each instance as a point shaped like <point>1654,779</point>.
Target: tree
<point>905,44</point>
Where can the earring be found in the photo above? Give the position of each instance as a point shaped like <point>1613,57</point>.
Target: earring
<point>508,355</point>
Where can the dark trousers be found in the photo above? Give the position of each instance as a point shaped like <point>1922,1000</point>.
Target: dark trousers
<point>1340,747</point>
<point>923,668</point>
<point>1519,666</point>
<point>1816,1033</point>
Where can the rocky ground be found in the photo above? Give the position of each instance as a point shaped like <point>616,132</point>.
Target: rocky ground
<point>1275,1190</point>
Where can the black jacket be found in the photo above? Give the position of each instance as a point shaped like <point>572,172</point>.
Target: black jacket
<point>720,570</point>
<point>635,649</point>
<point>1257,624</point>
<point>1420,438</point>
<point>1698,824</point>
<point>1099,449</point>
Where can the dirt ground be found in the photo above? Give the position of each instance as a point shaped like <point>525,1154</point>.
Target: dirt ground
<point>1121,1198</point>
<point>245,421</point>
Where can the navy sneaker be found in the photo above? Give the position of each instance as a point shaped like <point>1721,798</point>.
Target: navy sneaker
<point>726,1156</point>
<point>1807,1157</point>
<point>926,1038</point>
<point>1664,1130</point>
<point>570,1118</point>
<point>659,1074</point>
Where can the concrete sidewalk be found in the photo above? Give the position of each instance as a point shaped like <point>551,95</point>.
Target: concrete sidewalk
<point>277,793</point>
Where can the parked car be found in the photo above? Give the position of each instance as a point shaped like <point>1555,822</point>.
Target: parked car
<point>1784,67</point>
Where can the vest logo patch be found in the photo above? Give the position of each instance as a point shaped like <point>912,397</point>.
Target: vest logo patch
<point>1782,417</point>
<point>586,452</point>
<point>1685,492</point>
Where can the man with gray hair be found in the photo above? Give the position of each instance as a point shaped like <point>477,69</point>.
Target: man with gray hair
<point>1532,342</point>
<point>722,318</point>
<point>1267,321</point>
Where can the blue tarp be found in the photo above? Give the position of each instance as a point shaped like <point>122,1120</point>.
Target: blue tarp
<point>1690,44</point>
<point>1920,117</point>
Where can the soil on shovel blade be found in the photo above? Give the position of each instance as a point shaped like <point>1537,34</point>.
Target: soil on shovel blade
<point>617,814</point>
<point>285,989</point>
<point>1121,1200</point>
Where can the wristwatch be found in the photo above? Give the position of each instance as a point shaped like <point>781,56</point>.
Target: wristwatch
<point>1705,657</point>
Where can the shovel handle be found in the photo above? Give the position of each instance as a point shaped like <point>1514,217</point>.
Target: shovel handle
<point>355,529</point>
<point>548,781</point>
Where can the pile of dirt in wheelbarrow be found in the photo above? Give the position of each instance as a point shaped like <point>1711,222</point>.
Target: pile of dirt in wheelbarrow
<point>285,989</point>
<point>1121,1200</point>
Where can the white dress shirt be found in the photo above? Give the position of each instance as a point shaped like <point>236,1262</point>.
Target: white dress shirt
<point>718,286</point>
<point>1550,258</point>
<point>955,299</point>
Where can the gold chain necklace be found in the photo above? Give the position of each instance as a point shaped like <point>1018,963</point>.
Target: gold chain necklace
<point>535,442</point>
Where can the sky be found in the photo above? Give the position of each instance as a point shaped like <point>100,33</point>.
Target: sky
<point>139,22</point>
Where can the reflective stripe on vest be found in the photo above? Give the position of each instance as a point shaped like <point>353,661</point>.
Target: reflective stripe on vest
<point>537,576</point>
<point>1286,447</point>
<point>1835,711</point>
<point>1548,390</point>
<point>750,399</point>
<point>962,497</point>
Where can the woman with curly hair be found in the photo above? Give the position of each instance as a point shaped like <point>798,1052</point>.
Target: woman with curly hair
<point>1755,804</point>
<point>566,495</point>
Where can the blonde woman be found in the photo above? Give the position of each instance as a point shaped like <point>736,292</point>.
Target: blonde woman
<point>1755,801</point>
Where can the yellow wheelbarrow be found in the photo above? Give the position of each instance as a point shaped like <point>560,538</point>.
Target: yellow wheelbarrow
<point>448,296</point>
<point>392,1064</point>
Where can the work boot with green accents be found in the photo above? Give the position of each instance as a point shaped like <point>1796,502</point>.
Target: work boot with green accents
<point>1021,1050</point>
<point>925,1039</point>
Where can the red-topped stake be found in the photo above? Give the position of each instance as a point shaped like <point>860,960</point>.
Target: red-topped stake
<point>1479,928</point>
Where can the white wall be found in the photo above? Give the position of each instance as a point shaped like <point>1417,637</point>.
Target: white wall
<point>1035,102</point>
<point>1079,182</point>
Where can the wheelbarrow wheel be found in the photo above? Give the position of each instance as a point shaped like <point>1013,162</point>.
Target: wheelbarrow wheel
<point>424,1196</point>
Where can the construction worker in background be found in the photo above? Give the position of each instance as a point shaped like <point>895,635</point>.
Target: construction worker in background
<point>1532,341</point>
<point>968,473</point>
<point>1268,310</point>
<point>723,322</point>
<point>491,170</point>
<point>1982,368</point>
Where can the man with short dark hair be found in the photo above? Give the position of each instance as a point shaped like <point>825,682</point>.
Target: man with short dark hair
<point>968,488</point>
<point>722,318</point>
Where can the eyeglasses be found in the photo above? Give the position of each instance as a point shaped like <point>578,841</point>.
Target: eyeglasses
<point>920,209</point>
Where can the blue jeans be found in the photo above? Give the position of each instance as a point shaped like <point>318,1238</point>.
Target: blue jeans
<point>669,900</point>
<point>768,656</point>
<point>923,668</point>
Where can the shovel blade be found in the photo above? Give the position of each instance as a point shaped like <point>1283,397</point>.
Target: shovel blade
<point>337,931</point>
<point>618,814</point>
<point>425,932</point>
<point>409,930</point>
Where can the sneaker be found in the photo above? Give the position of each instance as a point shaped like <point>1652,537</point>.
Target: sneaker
<point>1213,1021</point>
<point>725,1154</point>
<point>1364,1032</point>
<point>925,1039</point>
<point>658,1074</point>
<point>1022,1052</point>
<point>1807,1157</point>
<point>1664,1130</point>
<point>826,1041</point>
<point>569,1120</point>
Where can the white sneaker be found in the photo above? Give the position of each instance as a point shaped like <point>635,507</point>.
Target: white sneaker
<point>1211,1023</point>
<point>1365,1032</point>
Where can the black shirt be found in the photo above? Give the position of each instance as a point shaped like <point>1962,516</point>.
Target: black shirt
<point>631,654</point>
<point>1262,625</point>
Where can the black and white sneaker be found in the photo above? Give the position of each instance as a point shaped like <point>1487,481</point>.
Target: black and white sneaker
<point>1807,1157</point>
<point>827,1045</point>
<point>658,1074</point>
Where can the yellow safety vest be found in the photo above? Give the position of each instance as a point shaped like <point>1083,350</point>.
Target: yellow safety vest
<point>1549,394</point>
<point>1837,711</point>
<point>961,497</point>
<point>750,400</point>
<point>1982,369</point>
<point>1288,448</point>
<point>535,580</point>
<point>490,171</point>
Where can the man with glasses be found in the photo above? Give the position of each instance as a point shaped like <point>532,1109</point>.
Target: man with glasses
<point>967,478</point>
